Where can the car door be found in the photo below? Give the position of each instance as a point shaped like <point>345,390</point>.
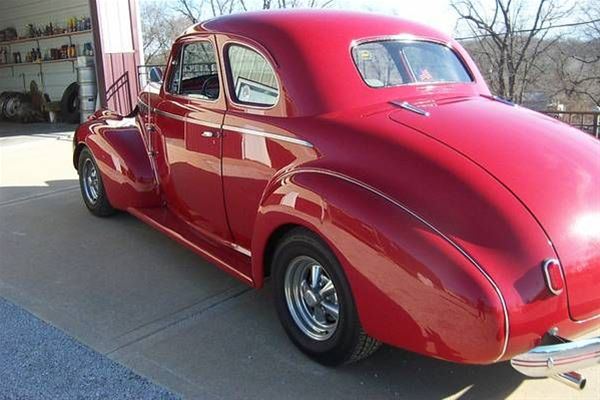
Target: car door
<point>190,117</point>
<point>257,141</point>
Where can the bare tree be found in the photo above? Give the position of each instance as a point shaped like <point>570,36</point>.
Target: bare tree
<point>159,30</point>
<point>193,9</point>
<point>510,41</point>
<point>577,62</point>
<point>190,9</point>
<point>164,20</point>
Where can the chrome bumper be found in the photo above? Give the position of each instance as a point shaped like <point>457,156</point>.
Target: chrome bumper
<point>560,360</point>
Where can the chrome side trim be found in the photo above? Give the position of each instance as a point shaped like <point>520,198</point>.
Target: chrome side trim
<point>407,106</point>
<point>269,135</point>
<point>180,118</point>
<point>430,226</point>
<point>583,321</point>
<point>240,249</point>
<point>169,115</point>
<point>238,129</point>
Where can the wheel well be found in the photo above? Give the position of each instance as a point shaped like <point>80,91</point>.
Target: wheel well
<point>274,239</point>
<point>76,154</point>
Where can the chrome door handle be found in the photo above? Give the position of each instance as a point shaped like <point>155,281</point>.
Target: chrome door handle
<point>209,134</point>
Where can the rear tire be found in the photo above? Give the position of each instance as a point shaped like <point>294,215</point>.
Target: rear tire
<point>92,188</point>
<point>314,301</point>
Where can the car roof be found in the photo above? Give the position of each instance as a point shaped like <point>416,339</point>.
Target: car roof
<point>311,52</point>
<point>312,24</point>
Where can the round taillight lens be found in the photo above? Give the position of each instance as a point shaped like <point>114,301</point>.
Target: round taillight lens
<point>554,276</point>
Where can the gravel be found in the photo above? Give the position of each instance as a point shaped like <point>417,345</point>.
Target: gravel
<point>38,361</point>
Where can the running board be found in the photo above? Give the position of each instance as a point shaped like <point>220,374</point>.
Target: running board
<point>228,258</point>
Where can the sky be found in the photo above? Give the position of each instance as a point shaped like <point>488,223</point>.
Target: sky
<point>436,13</point>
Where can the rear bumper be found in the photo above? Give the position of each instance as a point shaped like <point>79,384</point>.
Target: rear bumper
<point>556,359</point>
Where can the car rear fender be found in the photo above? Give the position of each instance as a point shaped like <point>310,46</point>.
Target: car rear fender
<point>413,288</point>
<point>119,150</point>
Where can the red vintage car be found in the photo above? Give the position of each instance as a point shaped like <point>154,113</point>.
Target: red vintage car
<point>362,164</point>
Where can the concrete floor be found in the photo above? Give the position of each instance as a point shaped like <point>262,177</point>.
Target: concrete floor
<point>144,301</point>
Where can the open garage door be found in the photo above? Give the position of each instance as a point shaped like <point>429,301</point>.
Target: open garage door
<point>118,52</point>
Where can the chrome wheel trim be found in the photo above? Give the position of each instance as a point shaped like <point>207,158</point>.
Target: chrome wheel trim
<point>311,298</point>
<point>91,181</point>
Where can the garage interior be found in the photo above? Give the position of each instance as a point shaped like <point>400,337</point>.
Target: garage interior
<point>60,60</point>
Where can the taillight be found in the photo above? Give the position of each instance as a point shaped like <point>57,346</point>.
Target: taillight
<point>554,276</point>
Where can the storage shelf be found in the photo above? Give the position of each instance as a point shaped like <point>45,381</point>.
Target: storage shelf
<point>38,38</point>
<point>38,62</point>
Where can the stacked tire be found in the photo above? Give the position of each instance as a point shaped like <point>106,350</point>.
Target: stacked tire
<point>10,105</point>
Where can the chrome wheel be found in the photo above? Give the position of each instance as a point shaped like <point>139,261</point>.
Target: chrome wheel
<point>311,298</point>
<point>91,182</point>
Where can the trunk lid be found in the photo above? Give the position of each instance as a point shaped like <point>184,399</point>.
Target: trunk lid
<point>552,168</point>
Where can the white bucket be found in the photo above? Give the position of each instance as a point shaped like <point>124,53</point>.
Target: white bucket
<point>87,90</point>
<point>86,75</point>
<point>85,61</point>
<point>87,103</point>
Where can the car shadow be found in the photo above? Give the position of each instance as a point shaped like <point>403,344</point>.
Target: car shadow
<point>15,194</point>
<point>9,129</point>
<point>431,378</point>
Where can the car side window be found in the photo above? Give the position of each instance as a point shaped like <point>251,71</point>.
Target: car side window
<point>253,80</point>
<point>198,75</point>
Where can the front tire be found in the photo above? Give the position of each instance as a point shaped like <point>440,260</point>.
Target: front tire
<point>314,301</point>
<point>92,188</point>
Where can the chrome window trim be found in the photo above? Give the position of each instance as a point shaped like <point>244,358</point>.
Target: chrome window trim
<point>381,194</point>
<point>411,38</point>
<point>227,69</point>
<point>268,135</point>
<point>188,96</point>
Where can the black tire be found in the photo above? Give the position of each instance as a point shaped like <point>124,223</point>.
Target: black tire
<point>12,106</point>
<point>348,343</point>
<point>98,204</point>
<point>69,104</point>
<point>4,97</point>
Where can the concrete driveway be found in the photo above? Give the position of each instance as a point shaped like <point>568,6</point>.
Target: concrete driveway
<point>134,295</point>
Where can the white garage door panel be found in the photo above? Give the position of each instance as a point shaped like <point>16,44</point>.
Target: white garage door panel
<point>19,13</point>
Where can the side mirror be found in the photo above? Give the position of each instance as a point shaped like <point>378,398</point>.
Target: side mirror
<point>156,75</point>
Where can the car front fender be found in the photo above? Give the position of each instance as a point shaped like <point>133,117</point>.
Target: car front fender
<point>119,150</point>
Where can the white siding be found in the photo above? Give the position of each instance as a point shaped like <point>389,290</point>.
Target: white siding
<point>19,13</point>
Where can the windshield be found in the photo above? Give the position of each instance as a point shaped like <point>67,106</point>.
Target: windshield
<point>393,62</point>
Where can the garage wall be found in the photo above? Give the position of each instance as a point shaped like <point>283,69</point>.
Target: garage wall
<point>19,13</point>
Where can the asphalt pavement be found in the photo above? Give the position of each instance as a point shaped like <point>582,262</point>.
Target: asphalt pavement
<point>38,361</point>
<point>137,298</point>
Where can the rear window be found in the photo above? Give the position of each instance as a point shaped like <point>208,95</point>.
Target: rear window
<point>394,62</point>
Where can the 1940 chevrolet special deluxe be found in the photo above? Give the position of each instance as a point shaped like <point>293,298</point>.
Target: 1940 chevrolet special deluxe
<point>362,164</point>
